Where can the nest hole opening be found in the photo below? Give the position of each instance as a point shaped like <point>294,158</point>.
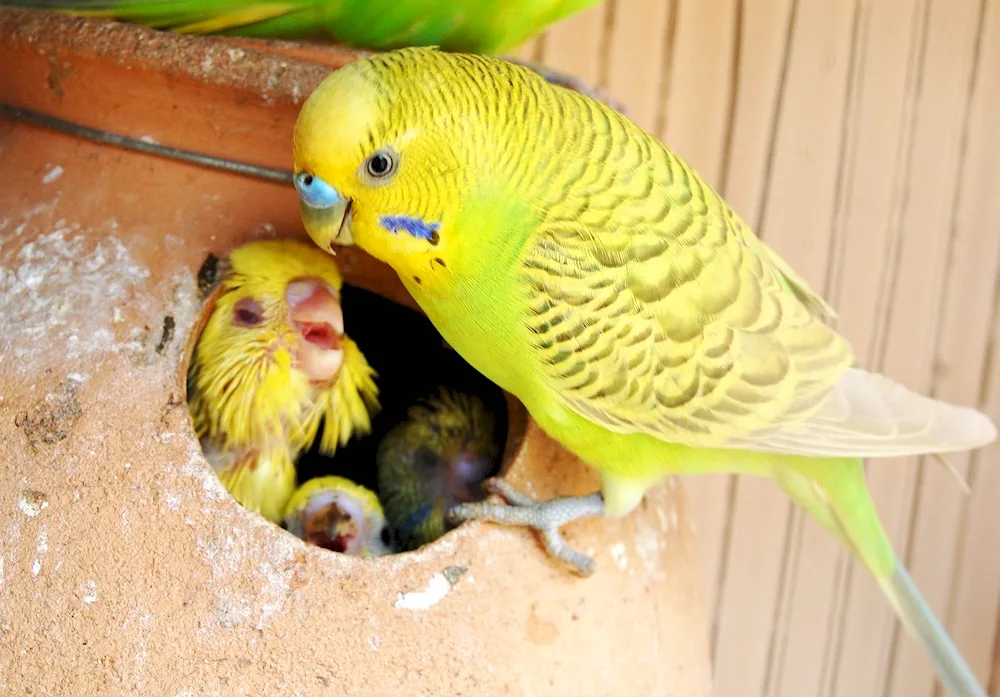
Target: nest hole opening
<point>414,368</point>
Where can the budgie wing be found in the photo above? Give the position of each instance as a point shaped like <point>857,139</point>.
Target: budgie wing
<point>677,322</point>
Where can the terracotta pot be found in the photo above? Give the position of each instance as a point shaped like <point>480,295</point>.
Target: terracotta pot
<point>125,566</point>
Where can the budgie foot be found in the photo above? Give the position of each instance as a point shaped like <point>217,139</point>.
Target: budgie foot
<point>571,82</point>
<point>545,517</point>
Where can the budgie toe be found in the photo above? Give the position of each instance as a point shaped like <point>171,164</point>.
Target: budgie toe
<point>547,518</point>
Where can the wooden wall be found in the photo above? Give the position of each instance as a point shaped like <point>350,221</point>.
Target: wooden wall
<point>861,140</point>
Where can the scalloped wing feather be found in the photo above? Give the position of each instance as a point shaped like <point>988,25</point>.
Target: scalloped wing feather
<point>654,309</point>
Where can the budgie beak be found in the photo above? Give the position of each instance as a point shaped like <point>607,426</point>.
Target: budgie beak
<point>326,213</point>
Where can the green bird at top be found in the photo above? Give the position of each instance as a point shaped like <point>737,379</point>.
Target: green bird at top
<point>489,27</point>
<point>472,26</point>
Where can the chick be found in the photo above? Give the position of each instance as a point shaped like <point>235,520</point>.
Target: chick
<point>435,459</point>
<point>271,365</point>
<point>339,515</point>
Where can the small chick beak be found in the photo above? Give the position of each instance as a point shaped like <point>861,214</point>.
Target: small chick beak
<point>326,213</point>
<point>315,312</point>
<point>333,522</point>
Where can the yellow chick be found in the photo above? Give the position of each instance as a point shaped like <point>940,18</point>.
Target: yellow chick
<point>339,515</point>
<point>271,365</point>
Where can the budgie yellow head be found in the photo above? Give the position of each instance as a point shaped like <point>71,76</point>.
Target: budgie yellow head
<point>389,150</point>
<point>274,335</point>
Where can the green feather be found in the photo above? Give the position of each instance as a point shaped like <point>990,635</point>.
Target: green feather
<point>477,26</point>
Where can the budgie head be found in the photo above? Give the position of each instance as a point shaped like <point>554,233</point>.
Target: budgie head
<point>390,150</point>
<point>337,514</point>
<point>273,336</point>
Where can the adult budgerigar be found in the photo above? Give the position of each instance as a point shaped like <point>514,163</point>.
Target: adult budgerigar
<point>437,458</point>
<point>337,514</point>
<point>270,366</point>
<point>474,26</point>
<point>582,266</point>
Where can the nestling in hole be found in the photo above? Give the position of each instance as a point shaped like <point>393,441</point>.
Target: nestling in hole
<point>319,404</point>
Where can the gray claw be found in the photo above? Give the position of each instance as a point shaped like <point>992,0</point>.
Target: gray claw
<point>521,510</point>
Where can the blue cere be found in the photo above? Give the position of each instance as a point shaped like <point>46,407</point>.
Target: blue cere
<point>315,192</point>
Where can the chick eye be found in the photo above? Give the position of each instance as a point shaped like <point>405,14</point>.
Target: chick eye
<point>247,313</point>
<point>380,165</point>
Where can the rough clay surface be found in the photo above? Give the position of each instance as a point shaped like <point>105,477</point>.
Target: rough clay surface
<point>125,567</point>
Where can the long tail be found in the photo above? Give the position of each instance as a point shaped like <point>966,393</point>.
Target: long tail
<point>918,618</point>
<point>835,492</point>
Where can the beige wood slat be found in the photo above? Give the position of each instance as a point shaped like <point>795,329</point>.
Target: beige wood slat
<point>748,580</point>
<point>878,145</point>
<point>530,50</point>
<point>759,69</point>
<point>636,61</point>
<point>912,326</point>
<point>797,223</point>
<point>958,564</point>
<point>695,126</point>
<point>701,78</point>
<point>575,45</point>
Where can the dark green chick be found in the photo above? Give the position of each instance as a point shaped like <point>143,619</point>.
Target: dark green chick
<point>434,460</point>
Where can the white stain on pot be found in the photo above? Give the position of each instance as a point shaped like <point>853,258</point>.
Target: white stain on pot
<point>667,518</point>
<point>649,544</point>
<point>619,555</point>
<point>437,588</point>
<point>48,292</point>
<point>52,175</point>
<point>90,593</point>
<point>31,505</point>
<point>42,547</point>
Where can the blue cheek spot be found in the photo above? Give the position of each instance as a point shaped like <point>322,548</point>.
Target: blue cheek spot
<point>315,192</point>
<point>417,227</point>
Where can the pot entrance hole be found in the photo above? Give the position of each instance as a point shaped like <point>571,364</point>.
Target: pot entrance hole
<point>440,429</point>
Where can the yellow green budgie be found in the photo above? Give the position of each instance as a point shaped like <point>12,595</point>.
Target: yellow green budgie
<point>582,266</point>
<point>473,26</point>
<point>271,364</point>
<point>437,458</point>
<point>337,514</point>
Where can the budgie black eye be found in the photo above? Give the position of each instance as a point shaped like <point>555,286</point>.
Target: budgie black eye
<point>247,313</point>
<point>386,536</point>
<point>380,165</point>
